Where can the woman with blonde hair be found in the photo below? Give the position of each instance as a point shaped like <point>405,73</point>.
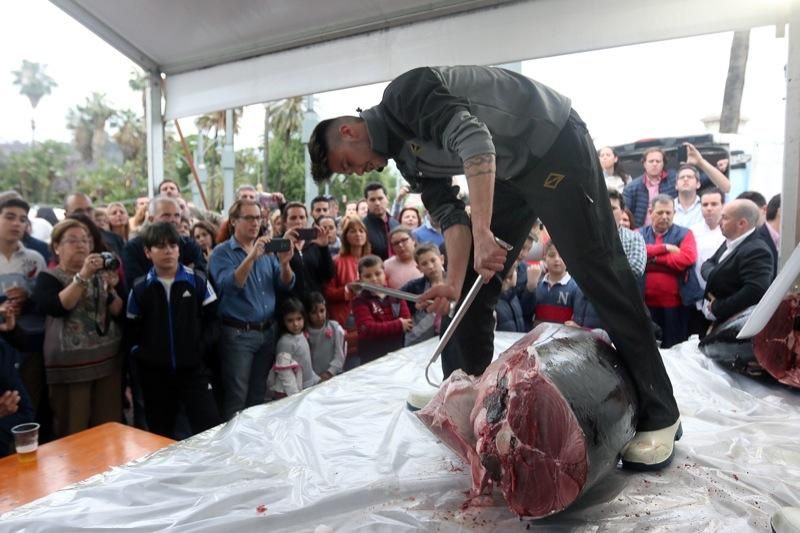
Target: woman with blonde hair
<point>118,220</point>
<point>82,338</point>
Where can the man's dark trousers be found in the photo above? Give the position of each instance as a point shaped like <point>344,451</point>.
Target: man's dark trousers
<point>567,191</point>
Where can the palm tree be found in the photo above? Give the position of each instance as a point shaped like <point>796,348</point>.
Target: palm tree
<point>88,122</point>
<point>734,83</point>
<point>130,134</point>
<point>267,128</point>
<point>216,120</point>
<point>285,118</point>
<point>34,83</point>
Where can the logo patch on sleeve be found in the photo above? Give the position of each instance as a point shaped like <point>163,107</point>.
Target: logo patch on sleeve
<point>553,180</point>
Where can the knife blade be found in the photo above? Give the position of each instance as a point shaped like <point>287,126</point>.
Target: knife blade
<point>465,305</point>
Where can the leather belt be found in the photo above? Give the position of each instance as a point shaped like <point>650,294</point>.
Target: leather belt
<point>247,326</point>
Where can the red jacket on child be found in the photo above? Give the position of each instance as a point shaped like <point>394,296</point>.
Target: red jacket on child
<point>378,324</point>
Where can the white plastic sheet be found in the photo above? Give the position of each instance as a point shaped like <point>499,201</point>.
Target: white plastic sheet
<point>349,455</point>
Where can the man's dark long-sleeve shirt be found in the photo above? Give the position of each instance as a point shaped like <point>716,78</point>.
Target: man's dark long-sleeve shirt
<point>378,234</point>
<point>431,119</point>
<point>311,269</point>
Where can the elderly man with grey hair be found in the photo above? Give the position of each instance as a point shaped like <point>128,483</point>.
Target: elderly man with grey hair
<point>134,260</point>
<point>740,271</point>
<point>670,282</point>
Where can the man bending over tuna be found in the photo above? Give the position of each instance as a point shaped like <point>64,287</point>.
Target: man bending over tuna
<point>526,154</point>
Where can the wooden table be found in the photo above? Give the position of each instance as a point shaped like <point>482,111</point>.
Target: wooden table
<point>72,459</point>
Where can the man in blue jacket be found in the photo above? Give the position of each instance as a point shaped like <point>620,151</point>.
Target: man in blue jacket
<point>525,152</point>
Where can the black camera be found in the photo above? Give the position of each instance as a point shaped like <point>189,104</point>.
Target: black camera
<point>109,261</point>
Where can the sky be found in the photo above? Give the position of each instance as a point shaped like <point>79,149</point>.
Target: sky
<point>624,94</point>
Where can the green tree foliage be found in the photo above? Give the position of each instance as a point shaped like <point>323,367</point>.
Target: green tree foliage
<point>40,173</point>
<point>352,187</point>
<point>109,182</point>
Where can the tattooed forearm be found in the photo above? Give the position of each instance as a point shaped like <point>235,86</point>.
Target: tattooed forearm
<point>479,165</point>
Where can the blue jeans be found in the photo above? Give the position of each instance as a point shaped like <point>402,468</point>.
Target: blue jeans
<point>245,360</point>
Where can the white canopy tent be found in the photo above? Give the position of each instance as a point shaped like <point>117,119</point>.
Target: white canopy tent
<point>218,55</point>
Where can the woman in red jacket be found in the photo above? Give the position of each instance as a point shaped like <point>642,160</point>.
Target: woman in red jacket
<point>354,246</point>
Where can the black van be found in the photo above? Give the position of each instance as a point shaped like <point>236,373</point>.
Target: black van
<point>630,155</point>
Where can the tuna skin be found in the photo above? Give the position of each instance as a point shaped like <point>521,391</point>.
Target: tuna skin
<point>549,419</point>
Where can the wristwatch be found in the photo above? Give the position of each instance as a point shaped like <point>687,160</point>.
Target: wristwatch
<point>79,280</point>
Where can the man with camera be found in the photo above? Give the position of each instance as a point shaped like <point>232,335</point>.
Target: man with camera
<point>312,263</point>
<point>248,271</point>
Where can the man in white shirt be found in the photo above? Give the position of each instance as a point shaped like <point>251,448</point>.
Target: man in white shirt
<point>687,205</point>
<point>708,237</point>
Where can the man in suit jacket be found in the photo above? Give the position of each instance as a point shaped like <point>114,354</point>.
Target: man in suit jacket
<point>740,271</point>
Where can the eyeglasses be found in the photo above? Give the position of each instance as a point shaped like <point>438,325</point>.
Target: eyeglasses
<point>251,218</point>
<point>76,242</point>
<point>401,241</point>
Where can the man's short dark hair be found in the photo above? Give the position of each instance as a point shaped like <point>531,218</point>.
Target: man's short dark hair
<point>318,150</point>
<point>319,199</point>
<point>324,217</point>
<point>168,181</point>
<point>159,234</point>
<point>374,186</point>
<point>772,207</point>
<point>755,197</point>
<point>15,202</point>
<point>713,190</point>
<point>427,248</point>
<point>293,205</point>
<point>614,194</point>
<point>322,138</point>
<point>369,261</point>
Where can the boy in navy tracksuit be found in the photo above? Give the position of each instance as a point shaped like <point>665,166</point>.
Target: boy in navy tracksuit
<point>170,311</point>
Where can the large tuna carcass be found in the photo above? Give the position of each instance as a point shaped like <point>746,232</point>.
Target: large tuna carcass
<point>774,350</point>
<point>545,421</point>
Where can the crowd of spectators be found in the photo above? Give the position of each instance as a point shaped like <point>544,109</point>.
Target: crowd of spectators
<point>174,319</point>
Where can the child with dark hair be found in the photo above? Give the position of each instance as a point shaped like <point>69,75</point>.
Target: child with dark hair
<point>509,309</point>
<point>429,263</point>
<point>325,338</point>
<point>293,340</point>
<point>381,320</point>
<point>556,292</point>
<point>170,311</point>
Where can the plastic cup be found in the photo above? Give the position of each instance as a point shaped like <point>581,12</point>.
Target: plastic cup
<point>26,441</point>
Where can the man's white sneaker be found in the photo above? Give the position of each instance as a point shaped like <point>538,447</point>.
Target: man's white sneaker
<point>652,450</point>
<point>419,398</point>
<point>786,520</point>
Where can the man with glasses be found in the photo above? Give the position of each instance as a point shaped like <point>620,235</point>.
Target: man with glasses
<point>134,260</point>
<point>80,203</point>
<point>248,280</point>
